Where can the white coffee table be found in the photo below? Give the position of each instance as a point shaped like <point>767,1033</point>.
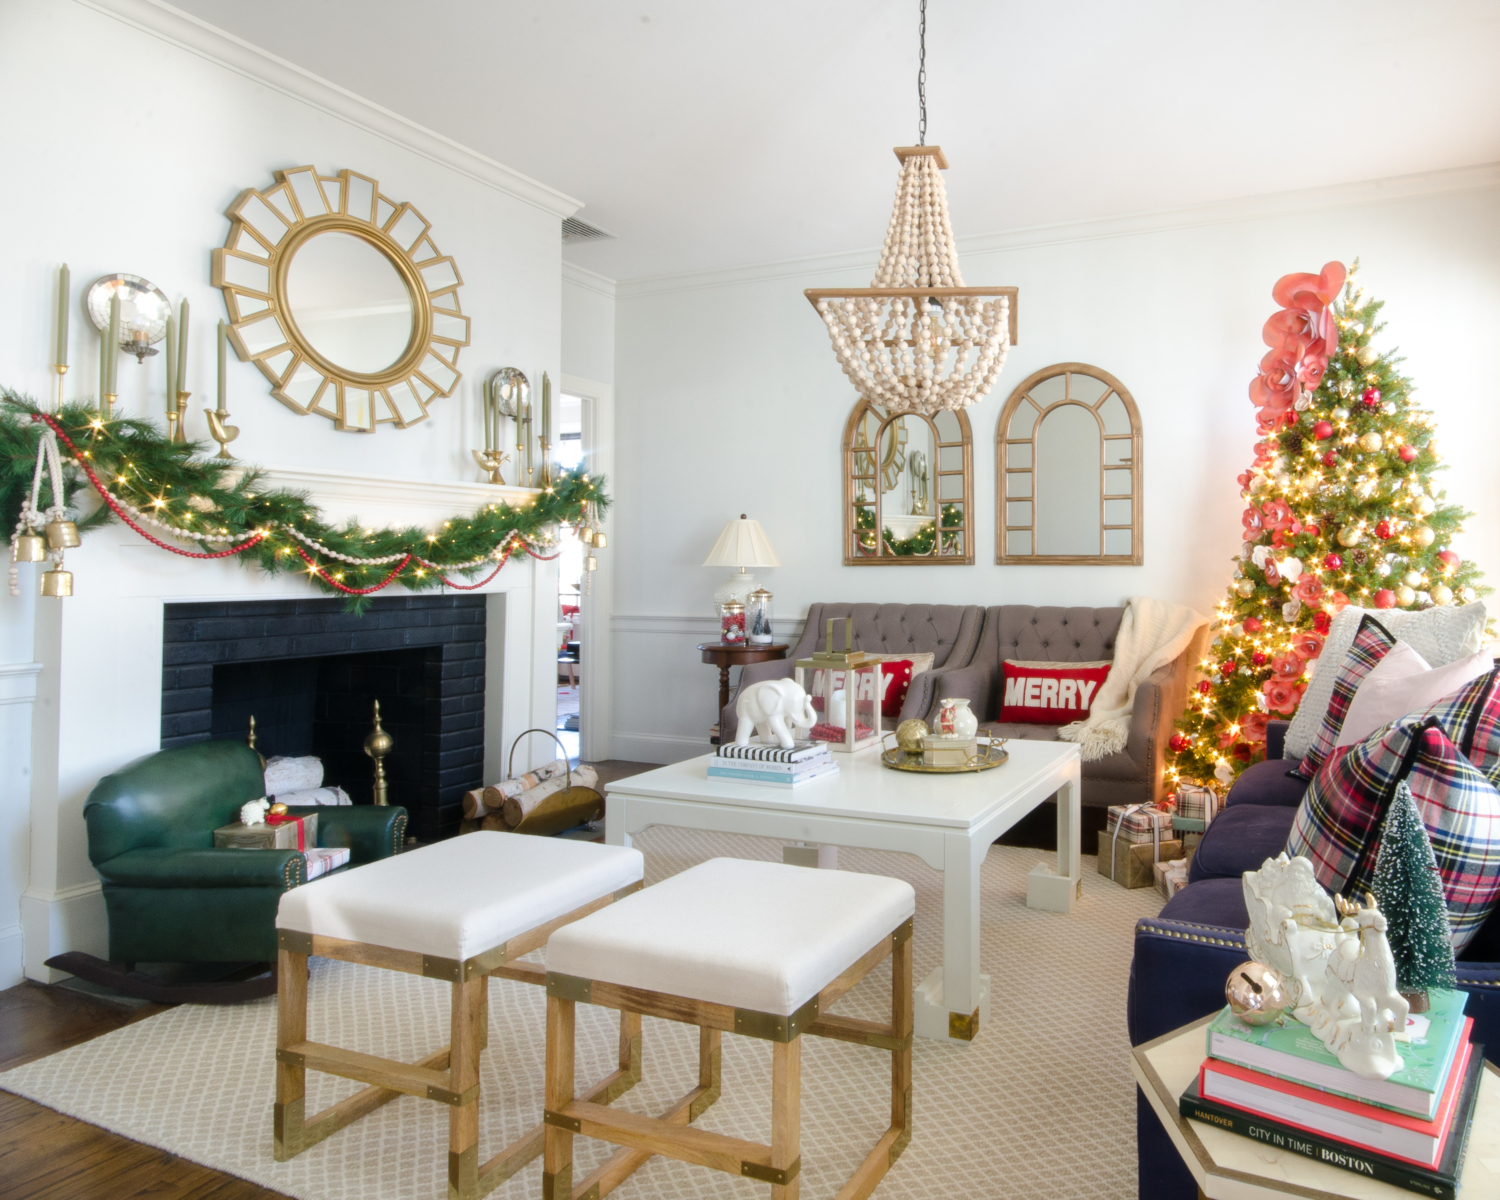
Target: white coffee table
<point>949,821</point>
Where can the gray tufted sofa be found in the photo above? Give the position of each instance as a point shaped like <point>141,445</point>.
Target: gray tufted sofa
<point>1018,631</point>
<point>950,632</point>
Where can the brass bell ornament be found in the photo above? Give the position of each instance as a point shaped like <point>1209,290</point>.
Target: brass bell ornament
<point>30,547</point>
<point>600,541</point>
<point>1256,994</point>
<point>62,535</point>
<point>57,582</point>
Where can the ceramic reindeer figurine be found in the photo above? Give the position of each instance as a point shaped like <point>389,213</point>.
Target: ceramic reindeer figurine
<point>1334,962</point>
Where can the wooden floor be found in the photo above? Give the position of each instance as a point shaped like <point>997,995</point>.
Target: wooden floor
<point>47,1156</point>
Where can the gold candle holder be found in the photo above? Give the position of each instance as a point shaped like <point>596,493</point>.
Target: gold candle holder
<point>378,743</point>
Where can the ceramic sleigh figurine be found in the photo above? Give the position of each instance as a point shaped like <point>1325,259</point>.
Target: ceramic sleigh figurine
<point>773,708</point>
<point>1334,962</point>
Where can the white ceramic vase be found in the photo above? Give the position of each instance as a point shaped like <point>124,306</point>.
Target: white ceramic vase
<point>956,719</point>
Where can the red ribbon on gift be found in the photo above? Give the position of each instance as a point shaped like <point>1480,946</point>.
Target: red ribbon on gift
<point>286,818</point>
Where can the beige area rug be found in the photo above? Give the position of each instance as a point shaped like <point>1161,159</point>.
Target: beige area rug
<point>1041,1104</point>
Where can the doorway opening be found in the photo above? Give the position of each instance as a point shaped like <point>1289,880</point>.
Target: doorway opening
<point>570,587</point>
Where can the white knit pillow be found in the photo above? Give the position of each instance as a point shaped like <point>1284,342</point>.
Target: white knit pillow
<point>1440,635</point>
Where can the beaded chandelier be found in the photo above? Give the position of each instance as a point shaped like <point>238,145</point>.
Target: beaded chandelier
<point>917,340</point>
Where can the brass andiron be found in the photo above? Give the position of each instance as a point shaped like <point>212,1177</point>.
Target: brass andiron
<point>378,743</point>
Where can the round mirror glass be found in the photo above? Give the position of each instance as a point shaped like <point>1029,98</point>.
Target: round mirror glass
<point>350,302</point>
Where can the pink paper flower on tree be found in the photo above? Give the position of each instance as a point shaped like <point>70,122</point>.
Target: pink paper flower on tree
<point>1308,590</point>
<point>1278,515</point>
<point>1288,666</point>
<point>1281,695</point>
<point>1272,572</point>
<point>1253,727</point>
<point>1308,642</point>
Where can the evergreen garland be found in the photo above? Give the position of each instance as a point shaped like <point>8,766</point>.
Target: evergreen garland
<point>229,503</point>
<point>1410,893</point>
<point>921,542</point>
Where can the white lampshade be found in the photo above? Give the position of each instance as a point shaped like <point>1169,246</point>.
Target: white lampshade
<point>742,543</point>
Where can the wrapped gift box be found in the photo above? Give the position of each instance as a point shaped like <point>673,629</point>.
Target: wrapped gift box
<point>295,833</point>
<point>1130,863</point>
<point>1197,806</point>
<point>1171,877</point>
<point>1139,822</point>
<point>321,860</point>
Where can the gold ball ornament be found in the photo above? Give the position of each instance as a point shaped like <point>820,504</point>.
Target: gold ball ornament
<point>1412,578</point>
<point>1366,355</point>
<point>1245,588</point>
<point>1371,442</point>
<point>1312,480</point>
<point>909,735</point>
<point>1341,413</point>
<point>1441,594</point>
<point>1405,596</point>
<point>278,809</point>
<point>1351,535</point>
<point>1256,994</point>
<point>1424,506</point>
<point>1423,536</point>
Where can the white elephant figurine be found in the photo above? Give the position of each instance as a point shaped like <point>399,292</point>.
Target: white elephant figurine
<point>774,708</point>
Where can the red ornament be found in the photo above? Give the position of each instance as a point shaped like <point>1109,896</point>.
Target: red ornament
<point>1385,598</point>
<point>1204,687</point>
<point>1407,453</point>
<point>1333,562</point>
<point>1383,530</point>
<point>1322,430</point>
<point>1322,621</point>
<point>1258,659</point>
<point>1227,668</point>
<point>1252,624</point>
<point>1311,530</point>
<point>1370,398</point>
<point>1178,743</point>
<point>1448,558</point>
<point>1330,457</point>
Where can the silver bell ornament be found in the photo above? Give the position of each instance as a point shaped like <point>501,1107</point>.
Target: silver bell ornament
<point>1256,994</point>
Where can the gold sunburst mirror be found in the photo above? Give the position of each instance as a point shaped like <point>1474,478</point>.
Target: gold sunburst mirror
<point>342,299</point>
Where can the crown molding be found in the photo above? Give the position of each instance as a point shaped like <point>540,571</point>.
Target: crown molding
<point>589,281</point>
<point>222,48</point>
<point>1480,177</point>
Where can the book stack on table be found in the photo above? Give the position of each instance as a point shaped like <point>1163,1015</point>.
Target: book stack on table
<point>771,765</point>
<point>1281,1086</point>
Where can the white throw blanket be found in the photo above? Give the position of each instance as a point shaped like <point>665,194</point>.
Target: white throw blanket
<point>1152,633</point>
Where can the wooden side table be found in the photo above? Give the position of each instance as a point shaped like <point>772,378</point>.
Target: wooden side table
<point>1227,1166</point>
<point>717,654</point>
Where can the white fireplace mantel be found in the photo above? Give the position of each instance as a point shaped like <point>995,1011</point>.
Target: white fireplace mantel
<point>378,500</point>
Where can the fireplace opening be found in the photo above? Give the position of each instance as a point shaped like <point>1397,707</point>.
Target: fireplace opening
<point>309,672</point>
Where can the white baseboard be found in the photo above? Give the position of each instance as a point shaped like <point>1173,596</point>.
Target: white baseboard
<point>70,920</point>
<point>656,747</point>
<point>11,969</point>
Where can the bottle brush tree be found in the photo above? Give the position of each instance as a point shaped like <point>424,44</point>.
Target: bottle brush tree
<point>1410,893</point>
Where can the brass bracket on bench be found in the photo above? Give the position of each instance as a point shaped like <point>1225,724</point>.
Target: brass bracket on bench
<point>781,1176</point>
<point>561,1121</point>
<point>772,1027</point>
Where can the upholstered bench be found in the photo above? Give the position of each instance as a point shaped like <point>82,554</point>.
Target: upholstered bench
<point>459,910</point>
<point>754,948</point>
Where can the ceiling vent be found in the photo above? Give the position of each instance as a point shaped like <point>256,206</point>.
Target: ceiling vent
<point>574,230</point>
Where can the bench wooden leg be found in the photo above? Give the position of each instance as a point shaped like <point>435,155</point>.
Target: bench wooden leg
<point>786,1117</point>
<point>463,1117</point>
<point>291,1078</point>
<point>557,1145</point>
<point>901,1019</point>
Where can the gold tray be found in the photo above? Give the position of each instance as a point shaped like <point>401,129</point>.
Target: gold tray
<point>992,753</point>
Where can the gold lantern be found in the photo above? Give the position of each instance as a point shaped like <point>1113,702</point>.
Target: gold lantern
<point>847,689</point>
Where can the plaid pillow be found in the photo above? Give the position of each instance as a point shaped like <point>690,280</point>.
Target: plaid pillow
<point>1371,643</point>
<point>1471,718</point>
<point>1339,822</point>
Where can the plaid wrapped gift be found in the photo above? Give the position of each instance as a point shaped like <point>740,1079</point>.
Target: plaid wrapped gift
<point>1339,821</point>
<point>1197,806</point>
<point>1171,877</point>
<point>1139,823</point>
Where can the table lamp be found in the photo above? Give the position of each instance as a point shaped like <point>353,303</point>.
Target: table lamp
<point>742,543</point>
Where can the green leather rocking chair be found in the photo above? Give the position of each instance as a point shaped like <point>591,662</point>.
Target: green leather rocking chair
<point>172,897</point>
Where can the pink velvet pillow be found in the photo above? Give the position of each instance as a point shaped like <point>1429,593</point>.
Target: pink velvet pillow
<point>1403,683</point>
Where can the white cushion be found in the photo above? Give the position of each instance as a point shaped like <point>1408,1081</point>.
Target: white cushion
<point>461,897</point>
<point>1402,683</point>
<point>756,935</point>
<point>1440,635</point>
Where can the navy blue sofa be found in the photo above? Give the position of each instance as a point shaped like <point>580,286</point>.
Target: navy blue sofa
<point>1184,955</point>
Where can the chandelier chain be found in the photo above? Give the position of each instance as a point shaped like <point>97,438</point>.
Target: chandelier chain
<point>922,75</point>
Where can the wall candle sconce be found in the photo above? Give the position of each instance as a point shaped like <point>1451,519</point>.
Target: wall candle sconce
<point>218,419</point>
<point>504,393</point>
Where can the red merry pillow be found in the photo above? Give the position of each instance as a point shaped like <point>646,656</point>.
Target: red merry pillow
<point>1047,693</point>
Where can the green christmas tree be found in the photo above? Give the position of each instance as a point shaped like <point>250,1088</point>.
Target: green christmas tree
<point>1343,506</point>
<point>1410,893</point>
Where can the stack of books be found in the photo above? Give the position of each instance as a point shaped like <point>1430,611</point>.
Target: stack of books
<point>771,765</point>
<point>1281,1086</point>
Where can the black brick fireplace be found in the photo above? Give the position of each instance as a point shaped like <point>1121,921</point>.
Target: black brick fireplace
<point>308,671</point>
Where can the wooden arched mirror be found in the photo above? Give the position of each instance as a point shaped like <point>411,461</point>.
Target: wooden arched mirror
<point>908,488</point>
<point>1068,471</point>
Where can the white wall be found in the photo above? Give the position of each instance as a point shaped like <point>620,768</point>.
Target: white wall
<point>133,129</point>
<point>730,400</point>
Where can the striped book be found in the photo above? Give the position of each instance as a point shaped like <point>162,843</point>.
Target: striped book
<point>754,752</point>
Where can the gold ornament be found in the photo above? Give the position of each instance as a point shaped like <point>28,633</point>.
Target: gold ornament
<point>909,735</point>
<point>1441,594</point>
<point>1256,994</point>
<point>1371,442</point>
<point>30,547</point>
<point>1366,355</point>
<point>600,540</point>
<point>1311,481</point>
<point>62,535</point>
<point>278,809</point>
<point>1413,578</point>
<point>1351,535</point>
<point>590,563</point>
<point>57,582</point>
<point>1405,596</point>
<point>1422,535</point>
<point>1245,588</point>
<point>1341,413</point>
<point>1424,506</point>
